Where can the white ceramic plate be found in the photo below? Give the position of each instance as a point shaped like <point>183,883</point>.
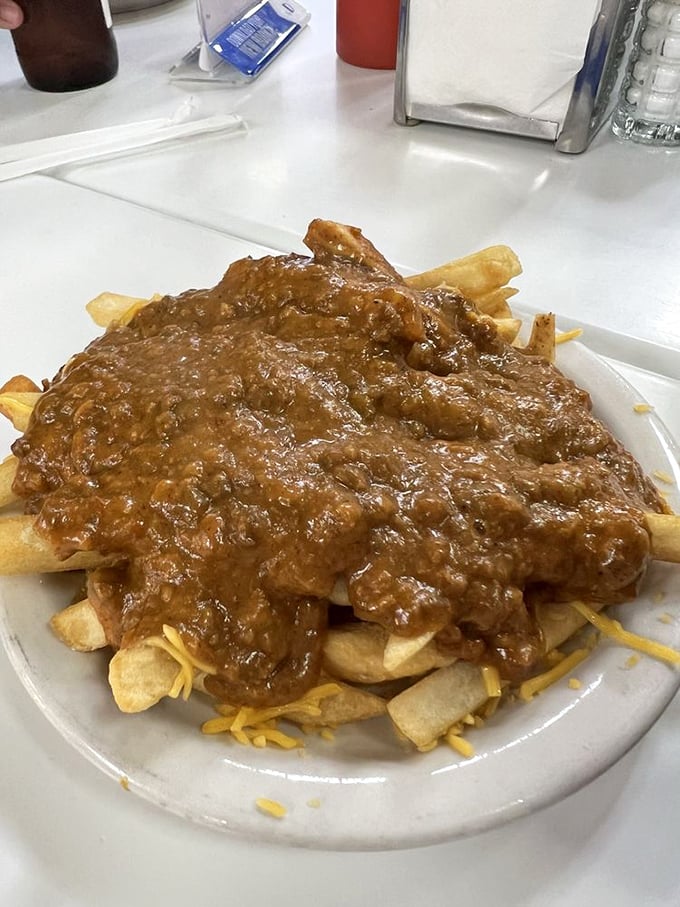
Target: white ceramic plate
<point>372,794</point>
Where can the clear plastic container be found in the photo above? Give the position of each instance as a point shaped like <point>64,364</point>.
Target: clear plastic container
<point>649,104</point>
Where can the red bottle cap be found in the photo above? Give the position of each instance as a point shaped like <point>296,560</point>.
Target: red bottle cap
<point>366,32</point>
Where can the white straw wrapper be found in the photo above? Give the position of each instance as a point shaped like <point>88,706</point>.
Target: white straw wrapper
<point>42,154</point>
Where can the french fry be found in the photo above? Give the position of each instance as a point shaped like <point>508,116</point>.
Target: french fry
<point>339,593</point>
<point>542,339</point>
<point>474,275</point>
<point>109,308</point>
<point>78,627</point>
<point>495,302</point>
<point>437,698</point>
<point>355,652</point>
<point>349,705</point>
<point>17,407</point>
<point>508,328</point>
<point>664,529</point>
<point>426,710</point>
<point>8,469</point>
<point>141,676</point>
<point>559,622</point>
<point>399,649</point>
<point>22,550</point>
<point>19,384</point>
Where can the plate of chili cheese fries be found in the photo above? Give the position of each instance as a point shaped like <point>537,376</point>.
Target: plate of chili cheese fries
<point>335,557</point>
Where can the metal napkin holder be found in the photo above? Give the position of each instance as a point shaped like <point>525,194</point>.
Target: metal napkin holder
<point>594,95</point>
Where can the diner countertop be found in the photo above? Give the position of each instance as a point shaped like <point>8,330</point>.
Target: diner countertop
<point>600,244</point>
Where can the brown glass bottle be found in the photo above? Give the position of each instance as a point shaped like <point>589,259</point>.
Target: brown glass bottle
<point>64,45</point>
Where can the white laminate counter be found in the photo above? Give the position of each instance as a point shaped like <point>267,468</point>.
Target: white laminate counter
<point>596,233</point>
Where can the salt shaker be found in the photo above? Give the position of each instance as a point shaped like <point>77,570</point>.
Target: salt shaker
<point>649,105</point>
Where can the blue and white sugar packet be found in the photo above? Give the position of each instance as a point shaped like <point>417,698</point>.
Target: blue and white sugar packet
<point>251,42</point>
<point>239,39</point>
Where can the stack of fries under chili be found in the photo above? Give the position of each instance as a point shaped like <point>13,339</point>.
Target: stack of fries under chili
<point>333,614</point>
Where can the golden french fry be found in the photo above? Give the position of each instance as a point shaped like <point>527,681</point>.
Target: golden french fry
<point>108,308</point>
<point>474,275</point>
<point>559,621</point>
<point>423,709</point>
<point>22,550</point>
<point>339,593</point>
<point>388,689</point>
<point>350,704</point>
<point>19,384</point>
<point>17,407</point>
<point>355,652</point>
<point>542,339</point>
<point>78,627</point>
<point>664,529</point>
<point>8,469</point>
<point>141,676</point>
<point>495,303</point>
<point>399,649</point>
<point>508,328</point>
<point>427,709</point>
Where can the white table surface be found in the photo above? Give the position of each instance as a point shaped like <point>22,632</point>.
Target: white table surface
<point>599,244</point>
<point>596,232</point>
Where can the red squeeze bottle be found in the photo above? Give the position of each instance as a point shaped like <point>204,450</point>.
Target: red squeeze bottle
<point>366,32</point>
<point>65,45</point>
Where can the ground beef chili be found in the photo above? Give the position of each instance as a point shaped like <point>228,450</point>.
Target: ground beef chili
<point>240,449</point>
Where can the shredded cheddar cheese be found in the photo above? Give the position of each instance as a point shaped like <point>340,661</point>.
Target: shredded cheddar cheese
<point>664,477</point>
<point>643,408</point>
<point>554,657</point>
<point>172,643</point>
<point>614,630</point>
<point>565,336</point>
<point>271,807</point>
<point>489,708</point>
<point>460,745</point>
<point>258,726</point>
<point>536,684</point>
<point>631,661</point>
<point>492,681</point>
<point>574,683</point>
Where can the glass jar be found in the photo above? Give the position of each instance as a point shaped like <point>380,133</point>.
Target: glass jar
<point>648,110</point>
<point>64,45</point>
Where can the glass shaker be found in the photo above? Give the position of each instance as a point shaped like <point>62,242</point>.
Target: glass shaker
<point>649,105</point>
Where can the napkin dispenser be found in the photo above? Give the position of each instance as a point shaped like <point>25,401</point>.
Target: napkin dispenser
<point>547,70</point>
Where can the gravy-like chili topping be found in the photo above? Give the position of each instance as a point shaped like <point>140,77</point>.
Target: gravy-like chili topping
<point>240,449</point>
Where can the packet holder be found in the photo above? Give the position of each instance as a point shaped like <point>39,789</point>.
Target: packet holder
<point>239,40</point>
